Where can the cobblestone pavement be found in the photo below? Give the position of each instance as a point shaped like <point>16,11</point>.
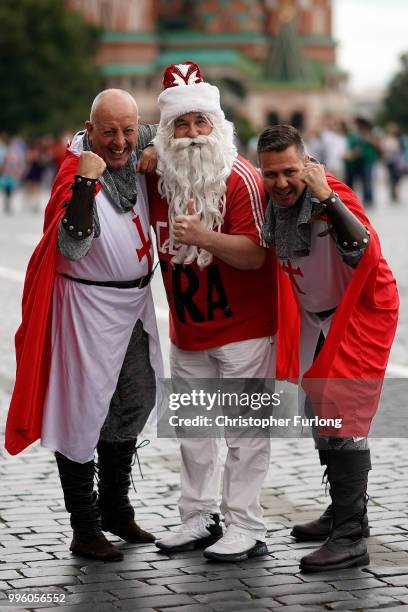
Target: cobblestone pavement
<point>35,562</point>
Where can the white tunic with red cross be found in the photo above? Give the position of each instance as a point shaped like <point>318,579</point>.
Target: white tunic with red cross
<point>319,281</point>
<point>92,326</point>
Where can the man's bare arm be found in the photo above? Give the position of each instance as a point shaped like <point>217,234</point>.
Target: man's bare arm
<point>237,251</point>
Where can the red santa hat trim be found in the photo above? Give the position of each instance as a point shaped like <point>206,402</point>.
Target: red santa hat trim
<point>186,92</point>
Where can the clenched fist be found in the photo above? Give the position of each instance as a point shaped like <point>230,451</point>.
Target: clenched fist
<point>314,176</point>
<point>90,165</point>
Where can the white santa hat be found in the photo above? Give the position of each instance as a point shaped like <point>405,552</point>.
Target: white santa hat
<point>186,92</point>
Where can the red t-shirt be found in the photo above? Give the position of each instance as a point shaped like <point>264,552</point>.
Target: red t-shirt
<point>219,304</point>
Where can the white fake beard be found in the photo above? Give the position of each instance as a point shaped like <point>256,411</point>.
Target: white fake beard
<point>195,169</point>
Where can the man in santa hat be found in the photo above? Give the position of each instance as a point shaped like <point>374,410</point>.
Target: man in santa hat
<point>343,324</point>
<point>206,208</point>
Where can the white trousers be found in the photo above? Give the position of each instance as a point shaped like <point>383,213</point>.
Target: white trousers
<point>247,459</point>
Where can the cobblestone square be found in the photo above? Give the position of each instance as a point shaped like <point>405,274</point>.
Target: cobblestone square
<point>38,572</point>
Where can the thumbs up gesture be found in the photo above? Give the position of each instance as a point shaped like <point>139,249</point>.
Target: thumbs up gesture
<point>188,229</point>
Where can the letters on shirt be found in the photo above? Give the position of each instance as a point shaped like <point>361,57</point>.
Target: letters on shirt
<point>187,282</point>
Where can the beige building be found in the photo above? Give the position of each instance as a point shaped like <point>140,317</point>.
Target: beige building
<point>274,60</point>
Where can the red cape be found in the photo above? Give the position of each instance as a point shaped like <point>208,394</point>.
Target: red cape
<point>345,380</point>
<point>33,337</point>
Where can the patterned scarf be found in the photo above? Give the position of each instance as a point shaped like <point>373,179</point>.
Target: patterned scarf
<point>288,229</point>
<point>120,184</point>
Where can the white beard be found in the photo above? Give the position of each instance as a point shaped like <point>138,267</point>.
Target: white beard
<point>195,169</point>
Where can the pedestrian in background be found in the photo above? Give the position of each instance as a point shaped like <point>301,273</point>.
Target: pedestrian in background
<point>11,169</point>
<point>392,154</point>
<point>38,159</point>
<point>360,158</point>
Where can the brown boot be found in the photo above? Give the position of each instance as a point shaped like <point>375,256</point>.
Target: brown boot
<point>95,547</point>
<point>130,532</point>
<point>114,470</point>
<point>77,480</point>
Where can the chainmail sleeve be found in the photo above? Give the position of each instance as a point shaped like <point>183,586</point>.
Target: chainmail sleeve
<point>145,135</point>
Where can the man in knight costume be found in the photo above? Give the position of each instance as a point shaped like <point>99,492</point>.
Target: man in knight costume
<point>340,301</point>
<point>88,348</point>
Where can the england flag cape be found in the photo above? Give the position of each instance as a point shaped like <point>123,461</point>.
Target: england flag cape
<point>345,380</point>
<point>25,423</point>
<point>32,340</point>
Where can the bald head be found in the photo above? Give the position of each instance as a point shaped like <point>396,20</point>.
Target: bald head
<point>112,127</point>
<point>109,100</point>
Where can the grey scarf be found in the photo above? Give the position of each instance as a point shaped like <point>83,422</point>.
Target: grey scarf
<point>288,229</point>
<point>120,184</point>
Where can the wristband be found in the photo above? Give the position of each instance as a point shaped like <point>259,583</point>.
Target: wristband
<point>79,216</point>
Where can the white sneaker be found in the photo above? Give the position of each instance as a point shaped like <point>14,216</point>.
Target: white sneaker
<point>196,532</point>
<point>235,546</point>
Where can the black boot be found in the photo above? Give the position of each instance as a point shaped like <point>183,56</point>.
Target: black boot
<point>114,468</point>
<point>345,546</point>
<point>319,529</point>
<point>77,480</point>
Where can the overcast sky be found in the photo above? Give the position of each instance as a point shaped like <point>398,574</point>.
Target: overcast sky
<point>371,35</point>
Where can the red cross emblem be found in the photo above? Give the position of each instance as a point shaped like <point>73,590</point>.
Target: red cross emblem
<point>292,272</point>
<point>144,251</point>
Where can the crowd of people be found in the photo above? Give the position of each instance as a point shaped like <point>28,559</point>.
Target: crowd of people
<point>295,288</point>
<point>28,164</point>
<point>353,150</point>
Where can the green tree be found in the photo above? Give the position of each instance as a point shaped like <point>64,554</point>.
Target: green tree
<point>47,75</point>
<point>395,107</point>
<point>244,128</point>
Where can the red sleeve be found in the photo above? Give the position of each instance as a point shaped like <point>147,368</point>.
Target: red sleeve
<point>246,202</point>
